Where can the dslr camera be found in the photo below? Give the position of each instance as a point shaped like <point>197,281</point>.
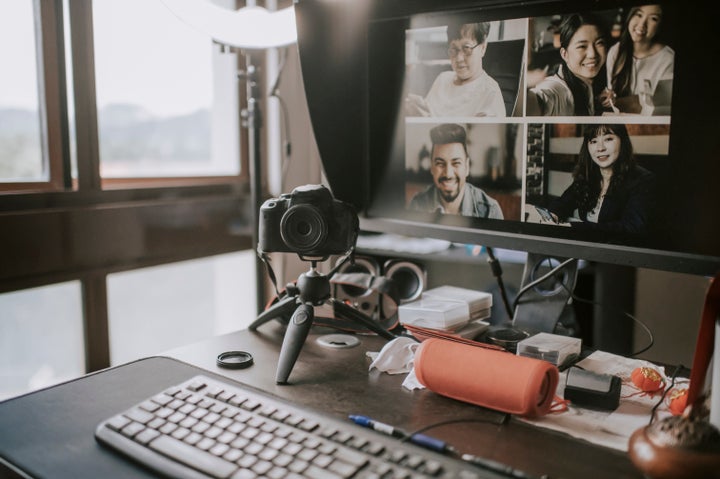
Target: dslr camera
<point>309,222</point>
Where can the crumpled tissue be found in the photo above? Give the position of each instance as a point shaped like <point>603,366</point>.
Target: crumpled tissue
<point>397,357</point>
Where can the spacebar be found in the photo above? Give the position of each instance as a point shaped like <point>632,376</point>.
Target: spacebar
<point>193,457</point>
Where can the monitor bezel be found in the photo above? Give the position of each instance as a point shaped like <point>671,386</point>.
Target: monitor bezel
<point>340,30</point>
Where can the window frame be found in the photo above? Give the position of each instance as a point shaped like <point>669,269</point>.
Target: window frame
<point>85,229</point>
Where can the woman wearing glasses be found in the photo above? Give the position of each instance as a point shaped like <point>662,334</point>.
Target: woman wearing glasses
<point>467,90</point>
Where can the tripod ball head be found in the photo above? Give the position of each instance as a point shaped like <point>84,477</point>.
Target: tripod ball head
<point>314,287</point>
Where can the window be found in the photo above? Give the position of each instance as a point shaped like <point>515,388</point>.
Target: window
<point>166,95</point>
<point>92,198</point>
<point>152,310</point>
<point>21,157</point>
<point>41,337</point>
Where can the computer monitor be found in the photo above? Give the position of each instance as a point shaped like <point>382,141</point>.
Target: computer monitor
<point>364,61</point>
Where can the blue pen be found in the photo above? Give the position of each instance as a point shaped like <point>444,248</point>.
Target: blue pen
<point>418,439</point>
<point>386,429</point>
<point>440,446</point>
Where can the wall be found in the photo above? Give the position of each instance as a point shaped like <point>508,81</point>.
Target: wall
<point>670,304</point>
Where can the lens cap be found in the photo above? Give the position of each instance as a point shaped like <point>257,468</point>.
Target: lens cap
<point>235,360</point>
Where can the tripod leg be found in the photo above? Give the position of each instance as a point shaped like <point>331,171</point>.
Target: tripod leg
<point>348,312</point>
<point>295,336</point>
<point>284,307</point>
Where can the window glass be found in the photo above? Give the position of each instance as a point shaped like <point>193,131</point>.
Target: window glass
<point>41,337</point>
<point>21,157</point>
<point>155,309</point>
<point>166,95</point>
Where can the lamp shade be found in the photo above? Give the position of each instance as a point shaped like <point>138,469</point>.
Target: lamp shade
<point>248,27</point>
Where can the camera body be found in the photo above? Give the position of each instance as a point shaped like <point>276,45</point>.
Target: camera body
<point>308,221</point>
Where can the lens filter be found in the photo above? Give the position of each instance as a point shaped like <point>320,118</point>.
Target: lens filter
<point>235,360</point>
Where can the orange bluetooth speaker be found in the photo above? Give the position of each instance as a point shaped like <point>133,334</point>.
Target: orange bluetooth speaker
<point>486,377</point>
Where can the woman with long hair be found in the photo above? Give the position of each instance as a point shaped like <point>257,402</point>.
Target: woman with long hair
<point>639,64</point>
<point>609,192</point>
<point>574,89</point>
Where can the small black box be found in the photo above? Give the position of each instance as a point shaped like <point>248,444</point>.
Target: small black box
<point>592,390</point>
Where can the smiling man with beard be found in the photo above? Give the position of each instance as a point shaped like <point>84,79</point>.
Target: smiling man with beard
<point>450,166</point>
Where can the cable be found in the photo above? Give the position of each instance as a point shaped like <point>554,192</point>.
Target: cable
<point>640,323</point>
<point>480,462</point>
<point>497,272</point>
<point>539,280</point>
<point>503,421</point>
<point>662,398</point>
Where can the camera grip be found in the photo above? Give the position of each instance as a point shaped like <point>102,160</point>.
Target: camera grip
<point>295,335</point>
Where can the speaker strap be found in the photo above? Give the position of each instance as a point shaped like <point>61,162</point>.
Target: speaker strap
<point>381,284</point>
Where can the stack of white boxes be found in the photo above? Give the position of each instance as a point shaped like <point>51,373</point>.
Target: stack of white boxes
<point>450,309</point>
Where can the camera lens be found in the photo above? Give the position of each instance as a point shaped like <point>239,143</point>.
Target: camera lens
<point>303,228</point>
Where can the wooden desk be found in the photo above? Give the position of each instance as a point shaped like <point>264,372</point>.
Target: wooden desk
<point>337,381</point>
<point>61,419</point>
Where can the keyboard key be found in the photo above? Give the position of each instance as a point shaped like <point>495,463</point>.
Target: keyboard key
<point>150,406</point>
<point>172,391</point>
<point>343,469</point>
<point>351,457</point>
<point>277,473</point>
<point>162,399</point>
<point>196,386</point>
<point>219,449</point>
<point>226,437</point>
<point>156,423</point>
<point>232,455</point>
<point>250,404</point>
<point>168,428</point>
<point>193,457</point>
<point>146,436</point>
<point>132,429</point>
<point>317,473</point>
<point>118,422</point>
<point>283,460</point>
<point>244,474</point>
<point>262,467</point>
<point>139,415</point>
<point>214,391</point>
<point>225,396</point>
<point>180,433</point>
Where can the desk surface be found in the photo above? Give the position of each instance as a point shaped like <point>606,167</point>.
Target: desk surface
<point>337,381</point>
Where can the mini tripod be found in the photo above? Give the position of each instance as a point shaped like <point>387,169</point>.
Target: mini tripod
<point>312,289</point>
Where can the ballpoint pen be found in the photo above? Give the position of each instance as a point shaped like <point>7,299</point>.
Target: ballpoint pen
<point>418,439</point>
<point>443,447</point>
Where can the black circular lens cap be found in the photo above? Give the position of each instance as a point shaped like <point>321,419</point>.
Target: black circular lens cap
<point>235,360</point>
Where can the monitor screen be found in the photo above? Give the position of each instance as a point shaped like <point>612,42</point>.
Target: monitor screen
<point>581,129</point>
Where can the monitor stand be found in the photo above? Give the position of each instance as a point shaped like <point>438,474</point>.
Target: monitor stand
<point>539,309</point>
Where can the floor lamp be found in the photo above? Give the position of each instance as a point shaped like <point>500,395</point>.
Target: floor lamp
<point>253,30</point>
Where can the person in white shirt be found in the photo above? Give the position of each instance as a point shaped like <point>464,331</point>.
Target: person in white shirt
<point>638,64</point>
<point>467,90</point>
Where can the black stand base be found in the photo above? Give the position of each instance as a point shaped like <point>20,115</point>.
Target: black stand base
<point>312,289</point>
